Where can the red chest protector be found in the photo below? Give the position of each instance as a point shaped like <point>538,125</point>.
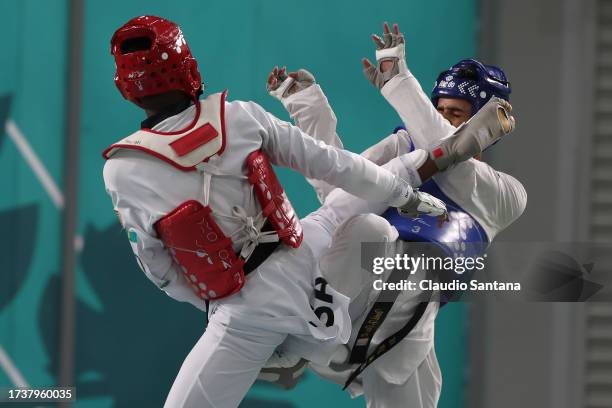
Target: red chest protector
<point>197,243</point>
<point>203,251</point>
<point>275,205</point>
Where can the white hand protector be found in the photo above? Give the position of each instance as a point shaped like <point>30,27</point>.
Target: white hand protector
<point>488,126</point>
<point>280,84</point>
<point>421,203</point>
<point>303,79</point>
<point>391,48</point>
<point>281,90</point>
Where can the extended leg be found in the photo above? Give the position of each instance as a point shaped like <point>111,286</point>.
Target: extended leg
<point>341,263</point>
<point>221,367</point>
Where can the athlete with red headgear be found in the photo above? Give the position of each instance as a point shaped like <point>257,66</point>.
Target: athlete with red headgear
<point>195,190</point>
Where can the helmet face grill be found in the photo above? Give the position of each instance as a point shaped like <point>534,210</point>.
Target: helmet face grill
<point>467,73</point>
<point>472,81</point>
<point>135,44</point>
<point>152,57</point>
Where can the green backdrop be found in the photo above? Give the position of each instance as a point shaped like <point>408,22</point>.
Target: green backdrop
<point>32,83</point>
<point>130,337</point>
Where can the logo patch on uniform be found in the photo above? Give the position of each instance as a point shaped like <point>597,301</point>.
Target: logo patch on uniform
<point>132,236</point>
<point>438,153</point>
<point>194,139</point>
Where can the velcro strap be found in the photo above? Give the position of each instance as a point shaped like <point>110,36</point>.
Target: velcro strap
<point>280,91</point>
<point>394,52</point>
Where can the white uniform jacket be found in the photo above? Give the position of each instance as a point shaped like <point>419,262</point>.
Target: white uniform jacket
<point>144,188</point>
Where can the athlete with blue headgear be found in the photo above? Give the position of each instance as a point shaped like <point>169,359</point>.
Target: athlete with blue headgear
<point>464,88</point>
<point>481,201</point>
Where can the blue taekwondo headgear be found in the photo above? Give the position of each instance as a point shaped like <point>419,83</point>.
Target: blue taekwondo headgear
<point>472,81</point>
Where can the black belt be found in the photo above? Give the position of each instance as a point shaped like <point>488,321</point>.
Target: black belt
<point>261,252</point>
<point>372,322</point>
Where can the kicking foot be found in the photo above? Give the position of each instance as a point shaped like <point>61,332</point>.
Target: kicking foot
<point>485,128</point>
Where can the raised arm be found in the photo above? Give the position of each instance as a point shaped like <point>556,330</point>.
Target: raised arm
<point>303,98</point>
<point>402,90</point>
<point>305,101</point>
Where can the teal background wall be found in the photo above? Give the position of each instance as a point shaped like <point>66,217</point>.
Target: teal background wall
<point>131,338</point>
<point>32,82</point>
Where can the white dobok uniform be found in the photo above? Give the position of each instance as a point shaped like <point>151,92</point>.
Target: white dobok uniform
<point>277,302</point>
<point>408,375</point>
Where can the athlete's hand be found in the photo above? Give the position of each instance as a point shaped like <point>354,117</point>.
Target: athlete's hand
<point>390,57</point>
<point>278,82</point>
<point>281,84</point>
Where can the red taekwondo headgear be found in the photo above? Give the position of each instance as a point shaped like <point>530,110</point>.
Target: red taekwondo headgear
<point>152,57</point>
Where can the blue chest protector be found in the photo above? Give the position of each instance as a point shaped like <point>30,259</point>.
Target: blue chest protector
<point>461,236</point>
<point>461,228</point>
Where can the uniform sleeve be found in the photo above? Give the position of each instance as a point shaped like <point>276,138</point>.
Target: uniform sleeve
<point>286,145</point>
<point>512,201</point>
<point>494,198</point>
<point>151,254</point>
<point>344,205</point>
<point>387,149</point>
<point>423,122</point>
<point>312,113</point>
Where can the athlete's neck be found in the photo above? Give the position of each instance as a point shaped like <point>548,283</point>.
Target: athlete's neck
<point>160,107</point>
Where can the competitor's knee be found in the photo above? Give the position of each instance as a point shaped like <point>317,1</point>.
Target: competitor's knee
<point>368,228</point>
<point>343,259</point>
